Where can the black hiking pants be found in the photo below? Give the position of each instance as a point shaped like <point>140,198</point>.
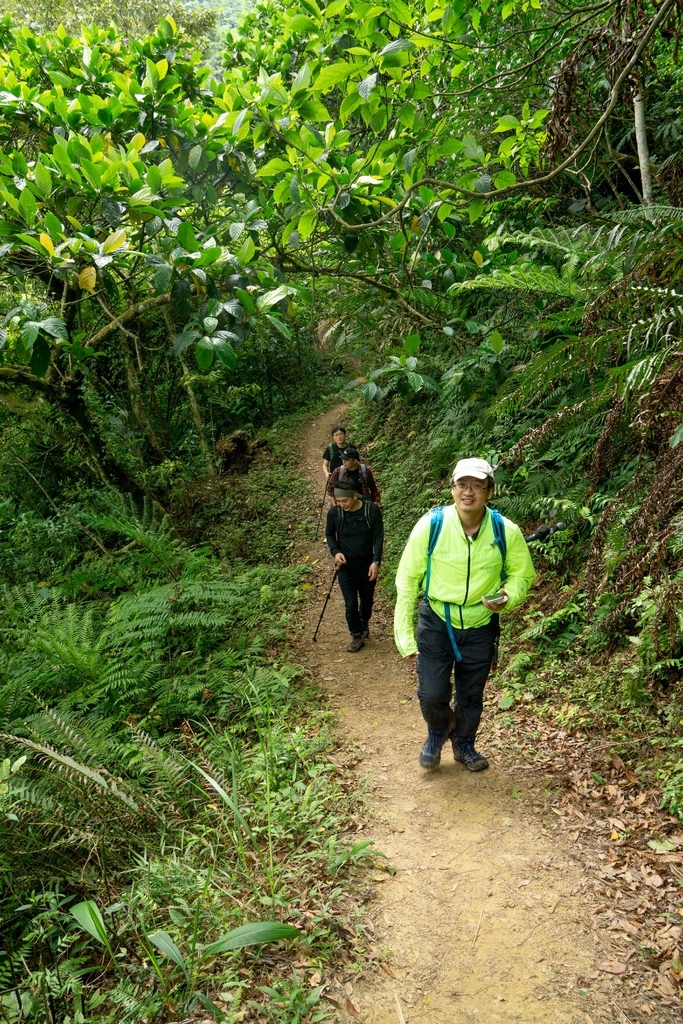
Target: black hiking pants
<point>358,592</point>
<point>437,669</point>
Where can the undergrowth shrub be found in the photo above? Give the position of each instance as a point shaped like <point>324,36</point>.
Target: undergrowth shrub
<point>175,774</point>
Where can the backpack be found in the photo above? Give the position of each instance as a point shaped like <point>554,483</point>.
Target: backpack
<point>340,515</point>
<point>363,471</point>
<point>435,525</point>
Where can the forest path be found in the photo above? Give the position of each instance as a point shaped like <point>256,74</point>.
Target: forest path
<point>486,919</point>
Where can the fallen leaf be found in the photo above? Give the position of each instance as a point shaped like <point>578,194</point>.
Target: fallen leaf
<point>352,1008</point>
<point>624,926</point>
<point>665,986</point>
<point>387,969</point>
<point>661,845</point>
<point>613,967</point>
<point>314,979</point>
<point>651,878</point>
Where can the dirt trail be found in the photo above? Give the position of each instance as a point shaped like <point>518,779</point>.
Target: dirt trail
<point>486,919</point>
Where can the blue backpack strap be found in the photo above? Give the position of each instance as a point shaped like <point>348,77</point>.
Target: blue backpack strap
<point>451,634</point>
<point>435,524</point>
<point>498,524</point>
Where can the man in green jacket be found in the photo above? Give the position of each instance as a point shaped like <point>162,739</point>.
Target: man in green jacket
<point>458,621</point>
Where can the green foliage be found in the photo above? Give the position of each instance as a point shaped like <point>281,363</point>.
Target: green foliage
<point>195,832</point>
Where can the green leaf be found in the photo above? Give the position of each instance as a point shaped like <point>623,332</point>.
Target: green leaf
<point>56,327</point>
<point>371,391</point>
<point>204,353</point>
<point>475,209</point>
<point>152,73</point>
<point>186,237</point>
<point>366,86</point>
<point>274,167</point>
<point>246,251</point>
<point>302,79</point>
<point>194,157</point>
<point>504,178</point>
<point>307,224</point>
<point>92,173</point>
<point>167,946</point>
<point>279,326</point>
<point>246,300</point>
<point>225,352</point>
<point>40,356</point>
<point>28,206</point>
<point>508,122</point>
<point>270,299</point>
<point>395,46</point>
<point>252,935</point>
<point>332,75</point>
<point>506,702</point>
<point>314,110</point>
<point>497,343</point>
<point>299,23</point>
<point>184,340</point>
<point>53,225</point>
<point>677,437</point>
<point>43,179</point>
<point>471,149</point>
<point>90,919</point>
<point>162,278</point>
<point>411,344</point>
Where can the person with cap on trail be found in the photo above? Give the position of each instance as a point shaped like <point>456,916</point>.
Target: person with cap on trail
<point>473,564</point>
<point>332,455</point>
<point>359,475</point>
<point>355,536</point>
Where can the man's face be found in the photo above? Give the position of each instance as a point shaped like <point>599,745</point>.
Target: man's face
<point>347,503</point>
<point>339,438</point>
<point>350,464</point>
<point>470,494</point>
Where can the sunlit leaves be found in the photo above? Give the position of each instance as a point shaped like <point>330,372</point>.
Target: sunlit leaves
<point>114,241</point>
<point>87,279</point>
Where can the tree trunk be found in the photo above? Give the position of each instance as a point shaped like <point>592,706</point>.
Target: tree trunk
<point>136,398</point>
<point>643,150</point>
<point>194,405</point>
<point>109,471</point>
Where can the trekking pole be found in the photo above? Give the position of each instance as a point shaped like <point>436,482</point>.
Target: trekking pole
<point>329,592</point>
<point>322,509</point>
<point>544,533</point>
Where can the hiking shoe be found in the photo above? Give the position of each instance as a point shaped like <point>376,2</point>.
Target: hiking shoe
<point>430,755</point>
<point>355,643</point>
<point>464,752</point>
<point>365,630</point>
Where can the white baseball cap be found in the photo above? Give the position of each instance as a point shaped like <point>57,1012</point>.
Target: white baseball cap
<point>480,469</point>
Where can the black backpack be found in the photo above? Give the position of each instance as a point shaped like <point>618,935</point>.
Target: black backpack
<point>367,509</point>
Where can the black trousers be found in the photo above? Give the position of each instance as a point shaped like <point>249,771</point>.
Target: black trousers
<point>358,592</point>
<point>436,665</point>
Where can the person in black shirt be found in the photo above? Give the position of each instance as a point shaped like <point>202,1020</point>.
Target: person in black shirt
<point>355,535</point>
<point>353,471</point>
<point>332,454</point>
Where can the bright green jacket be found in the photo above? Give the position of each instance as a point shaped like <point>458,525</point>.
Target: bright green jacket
<point>463,571</point>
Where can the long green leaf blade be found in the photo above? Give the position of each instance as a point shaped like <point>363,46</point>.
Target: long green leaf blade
<point>251,935</point>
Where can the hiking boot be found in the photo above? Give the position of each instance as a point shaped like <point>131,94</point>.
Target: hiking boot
<point>464,752</point>
<point>430,755</point>
<point>355,643</point>
<point>365,629</point>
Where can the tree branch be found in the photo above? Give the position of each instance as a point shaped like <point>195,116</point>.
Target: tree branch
<point>129,314</point>
<point>498,194</point>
